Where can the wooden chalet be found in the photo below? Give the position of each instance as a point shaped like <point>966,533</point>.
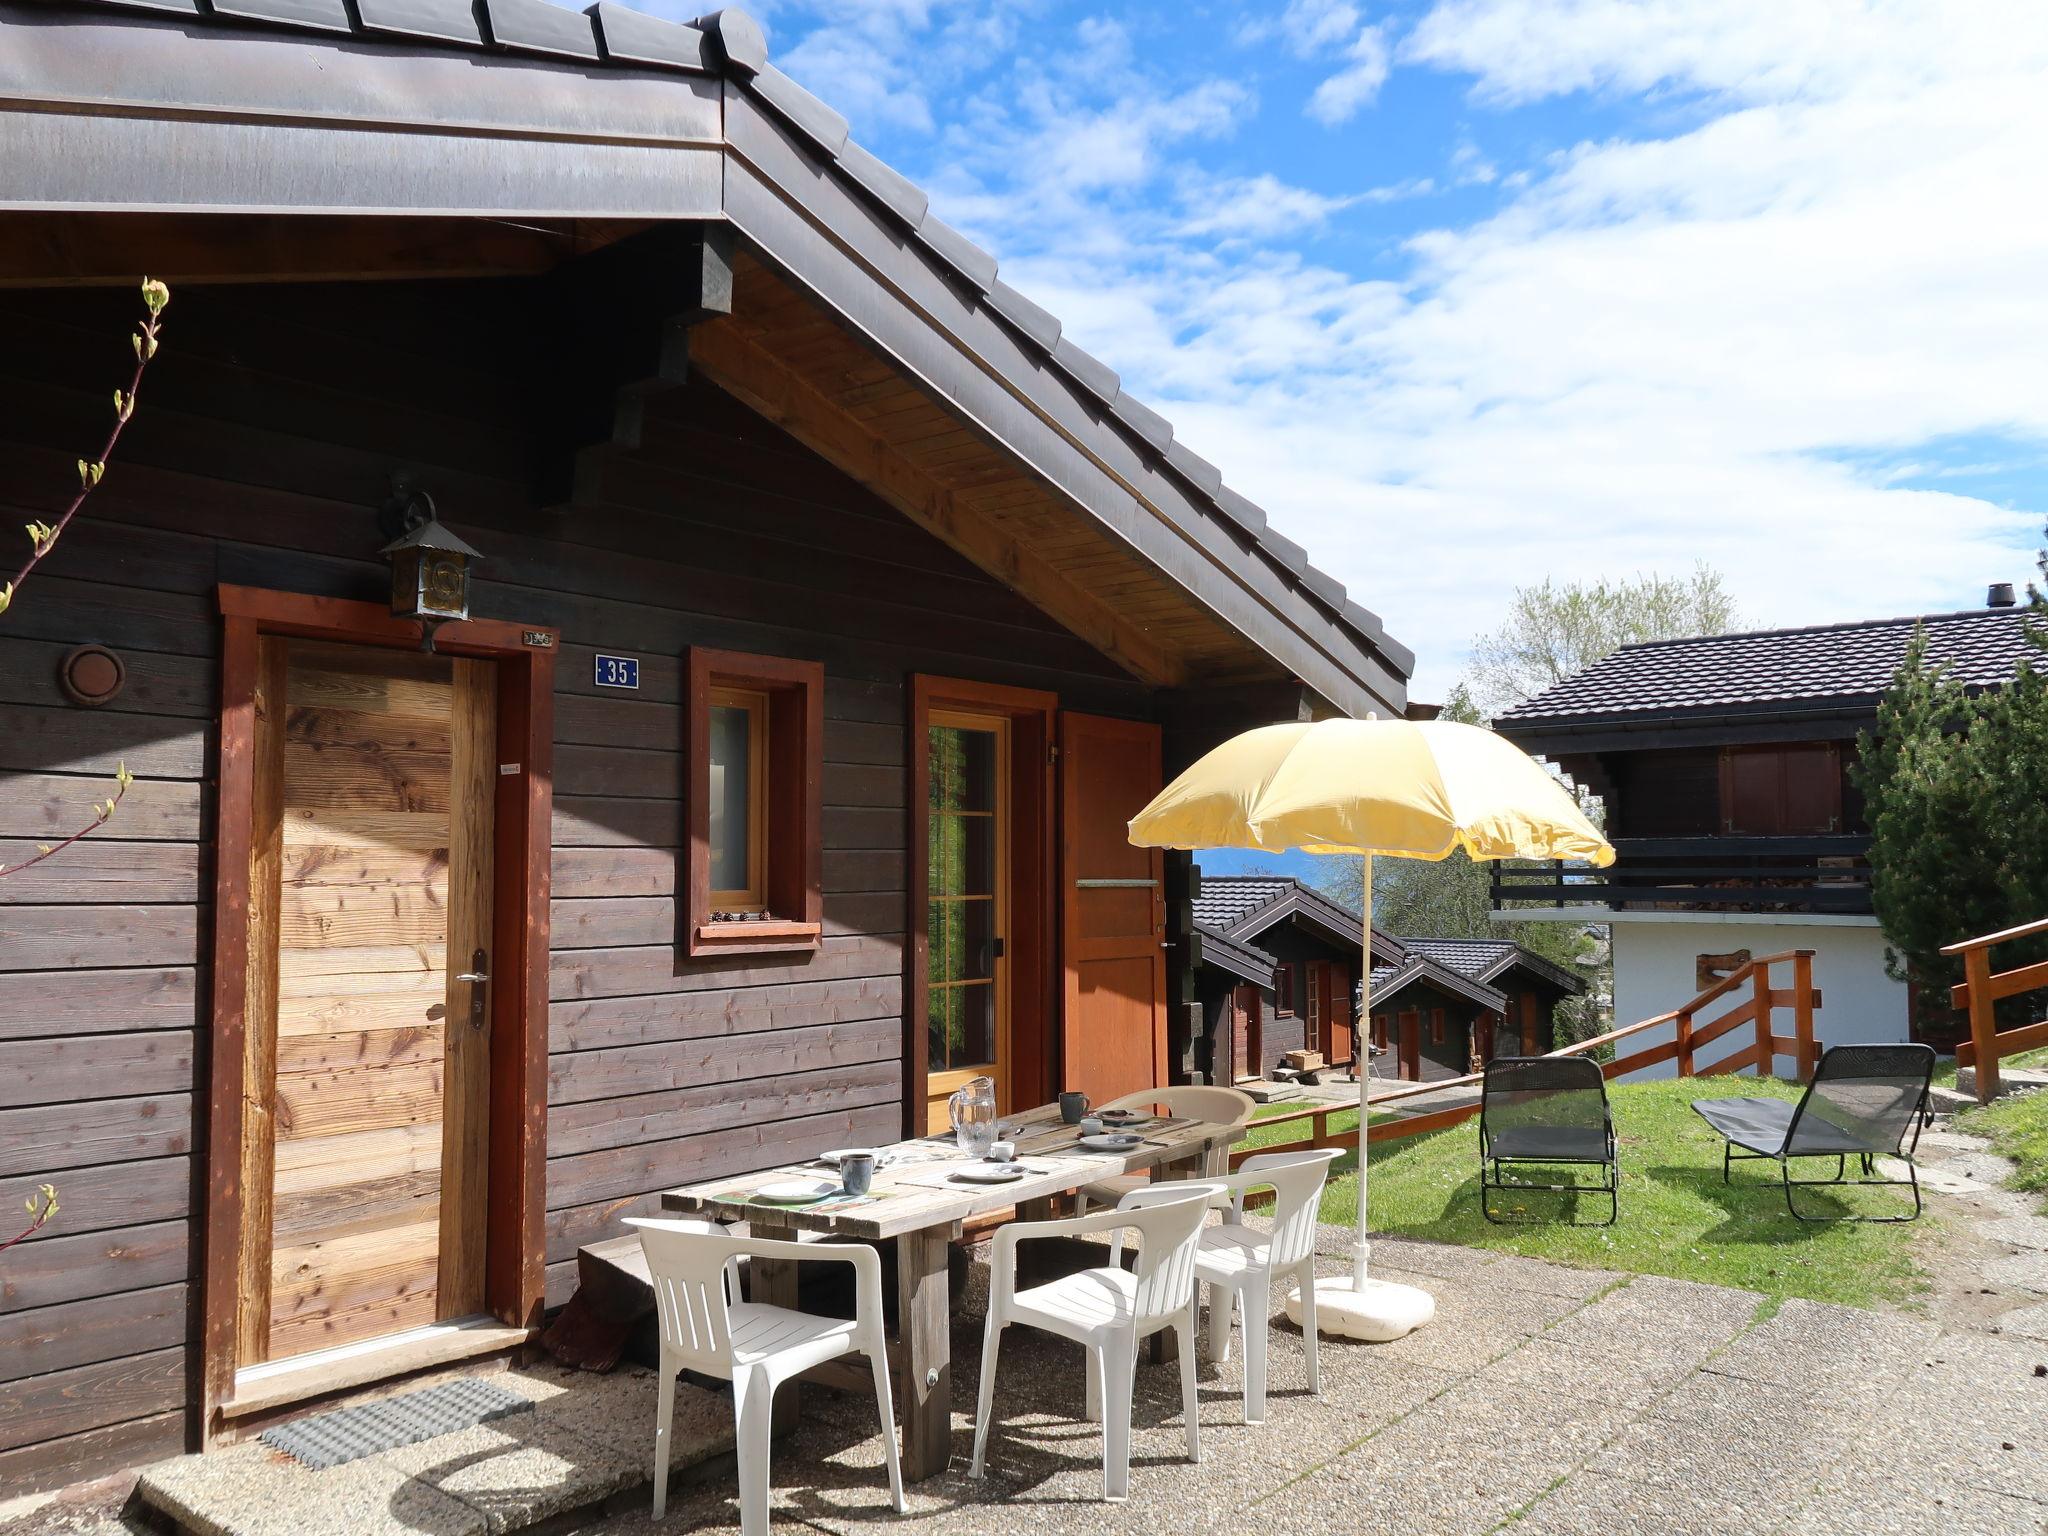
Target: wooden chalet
<point>1445,1007</point>
<point>830,612</point>
<point>1723,763</point>
<point>1278,972</point>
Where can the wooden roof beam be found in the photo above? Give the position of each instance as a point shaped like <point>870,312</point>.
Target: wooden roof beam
<point>752,374</point>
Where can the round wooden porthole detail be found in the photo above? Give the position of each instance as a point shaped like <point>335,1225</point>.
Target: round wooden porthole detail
<point>91,675</point>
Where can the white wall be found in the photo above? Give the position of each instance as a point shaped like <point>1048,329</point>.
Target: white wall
<point>1655,971</point>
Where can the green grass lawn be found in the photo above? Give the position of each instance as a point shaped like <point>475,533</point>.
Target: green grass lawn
<point>1677,1217</point>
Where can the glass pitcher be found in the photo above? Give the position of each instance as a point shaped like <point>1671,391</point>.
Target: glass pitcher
<point>973,1111</point>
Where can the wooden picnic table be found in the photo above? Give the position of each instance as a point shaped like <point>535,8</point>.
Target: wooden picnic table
<point>916,1204</point>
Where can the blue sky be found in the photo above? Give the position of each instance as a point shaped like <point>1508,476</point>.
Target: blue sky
<point>1468,293</point>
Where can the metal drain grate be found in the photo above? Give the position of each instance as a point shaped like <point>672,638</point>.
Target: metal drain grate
<point>349,1434</point>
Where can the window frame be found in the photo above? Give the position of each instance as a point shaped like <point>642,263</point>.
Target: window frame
<point>1283,990</point>
<point>1438,1031</point>
<point>785,811</point>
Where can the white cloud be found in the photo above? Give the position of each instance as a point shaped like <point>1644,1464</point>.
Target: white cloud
<point>1718,335</point>
<point>1353,88</point>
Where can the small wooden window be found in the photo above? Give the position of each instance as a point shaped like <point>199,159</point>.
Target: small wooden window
<point>754,748</point>
<point>1379,1030</point>
<point>1283,990</point>
<point>1436,1026</point>
<point>738,798</point>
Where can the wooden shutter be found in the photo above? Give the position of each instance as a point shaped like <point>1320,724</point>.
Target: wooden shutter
<point>1112,910</point>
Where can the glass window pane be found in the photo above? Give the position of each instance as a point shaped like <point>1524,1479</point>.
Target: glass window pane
<point>961,855</point>
<point>731,787</point>
<point>963,769</point>
<point>961,935</point>
<point>962,1023</point>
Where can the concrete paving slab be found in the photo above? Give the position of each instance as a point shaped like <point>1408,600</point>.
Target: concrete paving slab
<point>517,1471</point>
<point>2022,1272</point>
<point>2027,1322</point>
<point>1594,1504</point>
<point>251,1490</point>
<point>2020,1231</point>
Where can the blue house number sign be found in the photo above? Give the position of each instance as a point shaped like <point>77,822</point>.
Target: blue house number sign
<point>618,672</point>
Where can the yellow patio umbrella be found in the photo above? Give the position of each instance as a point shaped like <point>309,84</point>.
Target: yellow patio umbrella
<point>1411,789</point>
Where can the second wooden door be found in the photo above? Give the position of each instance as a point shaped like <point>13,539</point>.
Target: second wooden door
<point>1112,908</point>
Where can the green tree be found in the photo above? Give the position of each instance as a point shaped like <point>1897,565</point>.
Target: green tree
<point>1955,787</point>
<point>1555,630</point>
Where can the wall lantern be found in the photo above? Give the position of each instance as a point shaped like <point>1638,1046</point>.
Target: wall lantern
<point>430,566</point>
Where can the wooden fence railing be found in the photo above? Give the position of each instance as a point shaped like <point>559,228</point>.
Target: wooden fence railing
<point>1759,1010</point>
<point>1979,989</point>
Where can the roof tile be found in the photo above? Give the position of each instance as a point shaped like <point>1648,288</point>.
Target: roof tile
<point>803,111</point>
<point>959,252</point>
<point>1039,325</point>
<point>320,15</point>
<point>1844,663</point>
<point>535,26</point>
<point>635,37</point>
<point>884,183</point>
<point>446,21</point>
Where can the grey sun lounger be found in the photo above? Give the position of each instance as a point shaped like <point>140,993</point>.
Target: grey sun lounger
<point>1865,1102</point>
<point>1550,1110</point>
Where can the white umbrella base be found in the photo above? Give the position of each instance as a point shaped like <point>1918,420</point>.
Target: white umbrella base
<point>1377,1314</point>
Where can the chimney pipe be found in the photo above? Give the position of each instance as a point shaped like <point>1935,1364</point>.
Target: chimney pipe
<point>2000,596</point>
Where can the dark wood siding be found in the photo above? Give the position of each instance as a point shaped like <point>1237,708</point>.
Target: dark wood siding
<point>267,433</point>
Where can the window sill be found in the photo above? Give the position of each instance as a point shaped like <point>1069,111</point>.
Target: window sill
<point>754,937</point>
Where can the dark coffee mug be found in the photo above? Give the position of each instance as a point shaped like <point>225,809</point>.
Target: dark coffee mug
<point>1072,1107</point>
<point>857,1172</point>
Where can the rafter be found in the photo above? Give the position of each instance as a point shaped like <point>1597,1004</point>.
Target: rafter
<point>749,372</point>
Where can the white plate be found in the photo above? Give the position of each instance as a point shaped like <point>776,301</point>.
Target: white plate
<point>795,1191</point>
<point>1123,1117</point>
<point>989,1173</point>
<point>1121,1141</point>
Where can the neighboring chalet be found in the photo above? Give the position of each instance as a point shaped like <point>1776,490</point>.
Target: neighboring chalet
<point>831,612</point>
<point>1277,972</point>
<point>1723,764</point>
<point>1446,1007</point>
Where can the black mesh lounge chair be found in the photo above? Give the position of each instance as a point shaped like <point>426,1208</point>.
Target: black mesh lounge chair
<point>1550,1110</point>
<point>1865,1102</point>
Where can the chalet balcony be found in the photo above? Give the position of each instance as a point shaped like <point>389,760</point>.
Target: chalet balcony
<point>1829,874</point>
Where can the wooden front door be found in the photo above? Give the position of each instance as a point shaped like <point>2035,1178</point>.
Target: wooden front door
<point>367,1075</point>
<point>1337,1045</point>
<point>1409,1020</point>
<point>1247,1056</point>
<point>1112,909</point>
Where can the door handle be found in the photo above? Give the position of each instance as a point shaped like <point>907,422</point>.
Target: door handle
<point>478,978</point>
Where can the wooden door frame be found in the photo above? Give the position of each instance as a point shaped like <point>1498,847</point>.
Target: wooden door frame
<point>1032,945</point>
<point>514,1284</point>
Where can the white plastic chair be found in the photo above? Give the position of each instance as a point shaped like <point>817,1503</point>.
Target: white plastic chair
<point>1239,1264</point>
<point>752,1344</point>
<point>1221,1106</point>
<point>1107,1311</point>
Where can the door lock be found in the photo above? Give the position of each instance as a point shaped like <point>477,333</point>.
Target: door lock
<point>478,978</point>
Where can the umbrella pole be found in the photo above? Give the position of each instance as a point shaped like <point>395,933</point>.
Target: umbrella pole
<point>1355,1306</point>
<point>1361,1066</point>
